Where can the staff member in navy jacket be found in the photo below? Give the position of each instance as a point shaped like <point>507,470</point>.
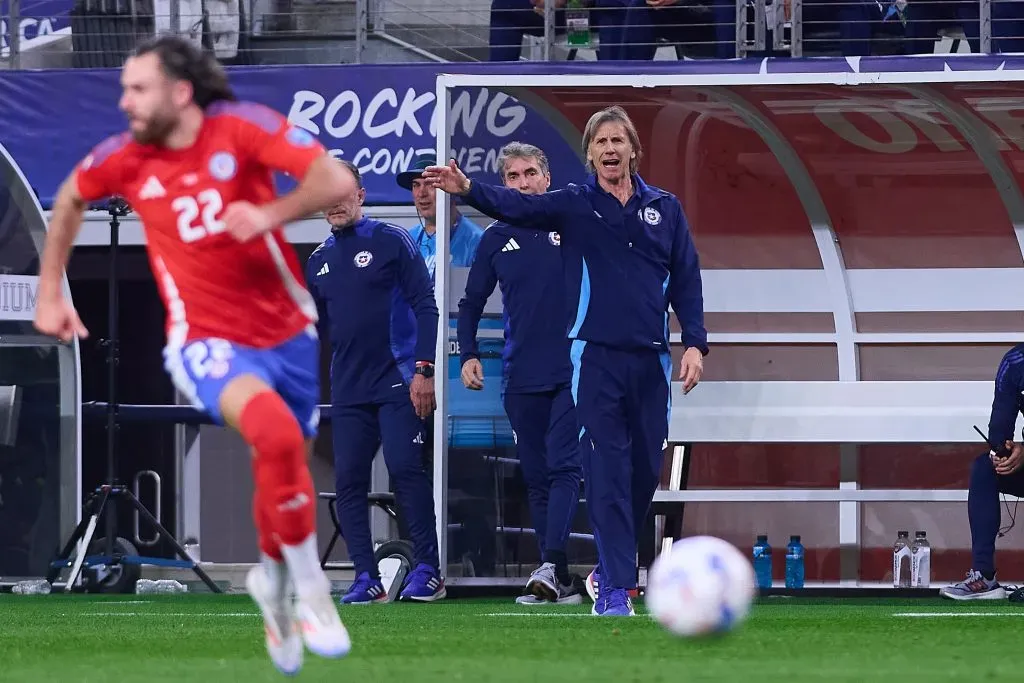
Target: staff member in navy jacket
<point>376,305</point>
<point>630,250</point>
<point>536,370</point>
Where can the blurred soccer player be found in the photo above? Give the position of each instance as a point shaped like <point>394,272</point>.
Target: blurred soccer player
<point>536,370</point>
<point>376,304</point>
<point>630,253</point>
<point>992,473</point>
<point>196,167</point>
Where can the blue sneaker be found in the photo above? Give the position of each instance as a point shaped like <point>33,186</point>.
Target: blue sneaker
<point>365,591</point>
<point>424,584</point>
<point>613,602</point>
<point>593,583</point>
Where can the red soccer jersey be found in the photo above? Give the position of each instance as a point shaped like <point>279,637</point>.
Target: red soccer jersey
<point>250,293</point>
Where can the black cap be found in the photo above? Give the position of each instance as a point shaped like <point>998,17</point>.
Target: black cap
<point>762,538</point>
<point>794,538</point>
<point>415,170</point>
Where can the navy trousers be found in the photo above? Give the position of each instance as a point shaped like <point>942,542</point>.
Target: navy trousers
<point>547,442</point>
<point>983,509</point>
<point>623,401</point>
<point>358,431</point>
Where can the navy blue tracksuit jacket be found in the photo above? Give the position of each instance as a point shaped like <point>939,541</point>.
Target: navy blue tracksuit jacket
<point>983,508</point>
<point>627,264</point>
<point>527,265</point>
<point>376,306</point>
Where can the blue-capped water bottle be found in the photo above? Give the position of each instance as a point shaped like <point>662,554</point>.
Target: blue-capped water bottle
<point>763,562</point>
<point>794,563</point>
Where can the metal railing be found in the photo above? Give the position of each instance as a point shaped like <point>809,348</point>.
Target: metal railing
<point>55,33</point>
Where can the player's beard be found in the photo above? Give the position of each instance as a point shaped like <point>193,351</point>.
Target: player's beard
<point>156,129</point>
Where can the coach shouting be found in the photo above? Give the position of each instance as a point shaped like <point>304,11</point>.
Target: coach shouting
<point>630,253</point>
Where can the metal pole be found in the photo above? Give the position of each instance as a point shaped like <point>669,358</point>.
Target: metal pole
<point>796,40</point>
<point>741,28</point>
<point>985,33</point>
<point>362,23</point>
<point>14,33</point>
<point>175,18</point>
<point>549,29</point>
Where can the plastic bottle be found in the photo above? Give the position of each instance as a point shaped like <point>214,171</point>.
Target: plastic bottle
<point>921,561</point>
<point>794,563</point>
<point>148,586</point>
<point>763,562</point>
<point>31,587</point>
<point>577,24</point>
<point>901,560</point>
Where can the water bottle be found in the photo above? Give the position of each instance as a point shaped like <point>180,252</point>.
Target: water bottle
<point>901,561</point>
<point>921,561</point>
<point>577,24</point>
<point>148,586</point>
<point>794,563</point>
<point>31,587</point>
<point>763,562</point>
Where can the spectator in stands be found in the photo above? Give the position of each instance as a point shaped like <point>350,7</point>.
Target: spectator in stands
<point>376,306</point>
<point>513,19</point>
<point>997,471</point>
<point>466,234</point>
<point>698,30</point>
<point>536,386</point>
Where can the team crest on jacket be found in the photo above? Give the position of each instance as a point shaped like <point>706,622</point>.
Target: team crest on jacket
<point>362,259</point>
<point>223,166</point>
<point>651,216</point>
<point>555,239</point>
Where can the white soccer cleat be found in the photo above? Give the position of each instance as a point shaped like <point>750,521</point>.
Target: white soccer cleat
<point>284,644</point>
<point>320,626</point>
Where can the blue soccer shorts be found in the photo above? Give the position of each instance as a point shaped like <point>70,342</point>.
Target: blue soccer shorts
<point>203,367</point>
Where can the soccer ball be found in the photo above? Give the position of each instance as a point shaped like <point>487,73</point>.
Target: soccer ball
<point>701,585</point>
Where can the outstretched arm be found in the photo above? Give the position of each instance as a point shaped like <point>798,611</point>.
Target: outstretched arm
<point>514,207</point>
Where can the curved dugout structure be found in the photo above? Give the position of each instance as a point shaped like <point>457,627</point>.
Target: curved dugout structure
<point>40,387</point>
<point>861,238</point>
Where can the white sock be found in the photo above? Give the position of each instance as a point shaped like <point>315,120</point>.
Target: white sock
<point>277,574</point>
<point>304,565</point>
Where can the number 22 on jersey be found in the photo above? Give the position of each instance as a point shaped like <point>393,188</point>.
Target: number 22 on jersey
<point>205,207</point>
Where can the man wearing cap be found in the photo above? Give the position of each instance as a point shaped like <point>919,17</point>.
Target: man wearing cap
<point>466,234</point>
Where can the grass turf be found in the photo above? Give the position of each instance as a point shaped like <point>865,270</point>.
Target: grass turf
<point>128,639</point>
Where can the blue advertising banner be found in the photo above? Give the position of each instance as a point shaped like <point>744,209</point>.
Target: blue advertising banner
<point>378,117</point>
<point>38,22</point>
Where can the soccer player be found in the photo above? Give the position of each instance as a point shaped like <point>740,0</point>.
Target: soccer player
<point>992,473</point>
<point>376,304</point>
<point>196,167</point>
<point>465,233</point>
<point>536,369</point>
<point>629,250</point>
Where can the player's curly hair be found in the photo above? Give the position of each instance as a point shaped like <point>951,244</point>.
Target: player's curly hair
<point>182,60</point>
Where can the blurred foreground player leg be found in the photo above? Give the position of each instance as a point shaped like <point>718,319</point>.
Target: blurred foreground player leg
<point>536,371</point>
<point>196,167</point>
<point>376,303</point>
<point>993,473</point>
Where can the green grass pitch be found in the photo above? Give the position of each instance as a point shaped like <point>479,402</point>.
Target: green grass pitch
<point>128,639</point>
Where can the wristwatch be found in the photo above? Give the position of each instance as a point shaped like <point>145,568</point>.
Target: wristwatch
<point>425,369</point>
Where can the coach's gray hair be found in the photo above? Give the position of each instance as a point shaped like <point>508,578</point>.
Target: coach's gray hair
<point>521,150</point>
<point>614,114</point>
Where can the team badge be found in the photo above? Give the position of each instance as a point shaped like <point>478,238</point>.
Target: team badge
<point>299,137</point>
<point>223,166</point>
<point>555,239</point>
<point>363,259</point>
<point>651,216</point>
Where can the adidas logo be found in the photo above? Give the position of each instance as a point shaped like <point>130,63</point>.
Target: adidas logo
<point>152,189</point>
<point>418,439</point>
<point>511,245</point>
<point>324,270</point>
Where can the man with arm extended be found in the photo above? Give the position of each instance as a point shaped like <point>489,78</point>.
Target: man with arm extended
<point>377,307</point>
<point>992,473</point>
<point>630,253</point>
<point>196,167</point>
<point>536,371</point>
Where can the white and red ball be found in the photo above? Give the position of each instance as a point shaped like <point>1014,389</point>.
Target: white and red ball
<point>701,585</point>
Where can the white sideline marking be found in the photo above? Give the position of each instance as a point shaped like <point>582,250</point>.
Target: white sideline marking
<point>958,614</point>
<point>534,614</point>
<point>169,614</point>
<point>120,602</point>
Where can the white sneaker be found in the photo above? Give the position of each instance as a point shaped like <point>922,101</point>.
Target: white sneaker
<point>284,645</point>
<point>320,625</point>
